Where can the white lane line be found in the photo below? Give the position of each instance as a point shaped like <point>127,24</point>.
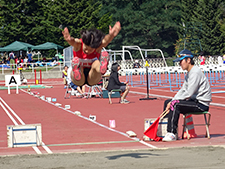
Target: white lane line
<point>46,148</point>
<point>37,150</point>
<point>149,145</point>
<point>124,134</point>
<point>12,112</point>
<point>219,97</point>
<point>21,121</point>
<point>99,124</point>
<point>13,120</point>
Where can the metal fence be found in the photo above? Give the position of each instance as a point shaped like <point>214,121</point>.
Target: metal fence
<point>44,66</point>
<point>58,66</point>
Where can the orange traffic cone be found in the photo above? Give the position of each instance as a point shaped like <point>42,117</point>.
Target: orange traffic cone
<point>190,127</point>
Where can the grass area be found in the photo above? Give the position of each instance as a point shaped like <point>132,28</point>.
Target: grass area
<point>38,69</point>
<point>23,87</point>
<point>43,69</point>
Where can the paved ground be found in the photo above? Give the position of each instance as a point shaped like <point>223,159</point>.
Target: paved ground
<point>188,158</point>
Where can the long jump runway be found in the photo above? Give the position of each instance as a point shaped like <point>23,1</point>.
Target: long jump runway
<point>64,131</point>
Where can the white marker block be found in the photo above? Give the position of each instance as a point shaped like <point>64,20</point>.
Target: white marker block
<point>77,113</point>
<point>92,117</point>
<point>49,99</point>
<point>58,104</point>
<point>112,123</point>
<point>67,106</point>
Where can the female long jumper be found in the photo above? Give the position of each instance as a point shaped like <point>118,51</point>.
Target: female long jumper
<point>86,66</point>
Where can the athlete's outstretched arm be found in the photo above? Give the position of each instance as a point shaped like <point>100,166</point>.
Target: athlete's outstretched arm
<point>113,32</point>
<point>71,40</point>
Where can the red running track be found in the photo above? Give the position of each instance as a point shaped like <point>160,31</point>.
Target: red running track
<point>62,131</point>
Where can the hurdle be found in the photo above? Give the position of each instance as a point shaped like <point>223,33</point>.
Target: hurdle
<point>216,78</point>
<point>36,81</point>
<point>157,79</point>
<point>172,78</point>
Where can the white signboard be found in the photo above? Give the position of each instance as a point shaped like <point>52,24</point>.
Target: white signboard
<point>12,80</point>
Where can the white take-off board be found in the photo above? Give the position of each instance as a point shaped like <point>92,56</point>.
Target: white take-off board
<point>24,135</point>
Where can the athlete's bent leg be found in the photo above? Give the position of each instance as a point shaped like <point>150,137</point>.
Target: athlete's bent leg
<point>94,75</point>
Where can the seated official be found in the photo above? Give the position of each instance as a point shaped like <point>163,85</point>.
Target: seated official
<point>114,83</point>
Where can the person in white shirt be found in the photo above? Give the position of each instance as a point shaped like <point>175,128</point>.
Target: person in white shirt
<point>25,61</point>
<point>75,87</point>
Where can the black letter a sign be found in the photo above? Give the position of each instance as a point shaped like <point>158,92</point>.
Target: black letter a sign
<point>12,80</point>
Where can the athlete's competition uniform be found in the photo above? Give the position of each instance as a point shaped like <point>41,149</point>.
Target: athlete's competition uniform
<point>86,60</point>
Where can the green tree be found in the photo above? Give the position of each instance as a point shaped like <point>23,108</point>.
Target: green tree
<point>188,8</point>
<point>78,15</point>
<point>188,32</point>
<point>206,16</point>
<point>212,39</point>
<point>39,21</point>
<point>148,24</point>
<point>222,19</point>
<point>21,20</point>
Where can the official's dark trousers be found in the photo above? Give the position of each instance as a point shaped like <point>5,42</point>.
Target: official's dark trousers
<point>183,107</point>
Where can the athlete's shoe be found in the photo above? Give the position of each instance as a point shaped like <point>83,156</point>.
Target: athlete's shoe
<point>104,62</point>
<point>76,68</point>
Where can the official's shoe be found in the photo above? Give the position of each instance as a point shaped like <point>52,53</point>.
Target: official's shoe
<point>170,137</point>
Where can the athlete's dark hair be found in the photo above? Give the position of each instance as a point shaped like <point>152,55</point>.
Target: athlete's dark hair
<point>92,37</point>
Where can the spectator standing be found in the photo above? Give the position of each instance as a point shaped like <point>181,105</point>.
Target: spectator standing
<point>29,55</point>
<point>11,59</point>
<point>25,61</point>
